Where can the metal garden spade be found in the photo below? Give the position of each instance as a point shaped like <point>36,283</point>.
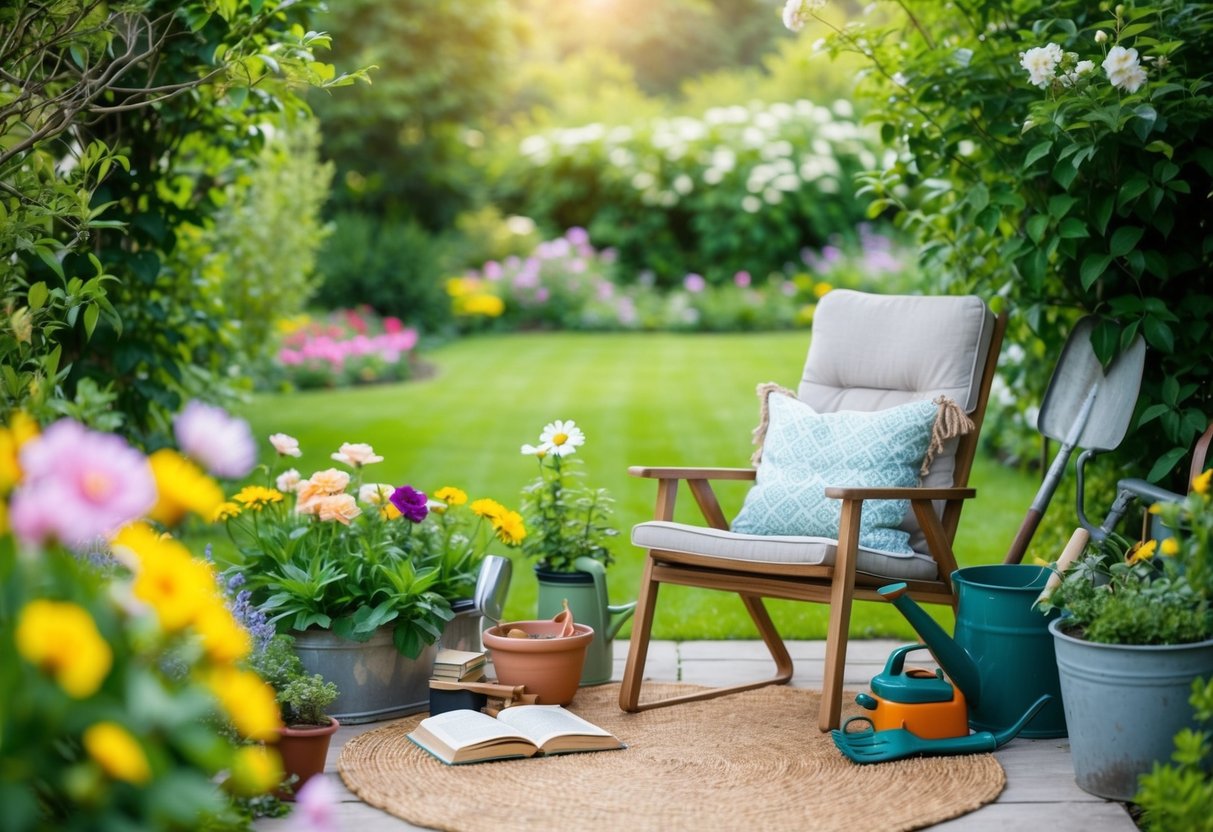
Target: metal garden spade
<point>1085,406</point>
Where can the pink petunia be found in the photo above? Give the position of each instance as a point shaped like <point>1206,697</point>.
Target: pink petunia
<point>316,806</point>
<point>79,485</point>
<point>218,441</point>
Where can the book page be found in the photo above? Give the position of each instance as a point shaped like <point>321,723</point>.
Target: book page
<point>541,723</point>
<point>460,729</point>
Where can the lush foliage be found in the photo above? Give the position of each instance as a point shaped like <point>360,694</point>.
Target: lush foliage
<point>311,556</point>
<point>743,187</point>
<point>349,346</point>
<point>125,127</point>
<point>567,519</point>
<point>1177,795</point>
<point>122,667</point>
<point>1154,592</point>
<point>1058,155</point>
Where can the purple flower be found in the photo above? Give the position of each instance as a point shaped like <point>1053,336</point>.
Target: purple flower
<point>694,283</point>
<point>316,806</point>
<point>742,279</point>
<point>578,236</point>
<point>79,485</point>
<point>218,441</point>
<point>411,503</point>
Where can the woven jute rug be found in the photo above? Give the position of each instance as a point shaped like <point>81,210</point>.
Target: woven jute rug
<point>748,761</point>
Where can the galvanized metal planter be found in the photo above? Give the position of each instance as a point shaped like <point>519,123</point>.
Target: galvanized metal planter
<point>1124,704</point>
<point>374,680</point>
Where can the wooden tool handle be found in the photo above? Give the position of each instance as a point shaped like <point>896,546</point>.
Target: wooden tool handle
<point>487,688</point>
<point>1074,548</point>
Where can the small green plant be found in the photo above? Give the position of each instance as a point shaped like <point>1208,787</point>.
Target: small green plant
<point>565,520</point>
<point>305,698</point>
<point>1150,592</point>
<point>1178,795</point>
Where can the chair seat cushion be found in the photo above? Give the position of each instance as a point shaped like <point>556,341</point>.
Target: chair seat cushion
<point>700,540</point>
<point>804,452</point>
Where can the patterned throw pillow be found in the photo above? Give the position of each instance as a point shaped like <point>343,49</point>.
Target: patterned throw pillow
<point>805,451</point>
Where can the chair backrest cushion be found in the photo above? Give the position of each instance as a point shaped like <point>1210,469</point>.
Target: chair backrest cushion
<point>804,451</point>
<point>872,352</point>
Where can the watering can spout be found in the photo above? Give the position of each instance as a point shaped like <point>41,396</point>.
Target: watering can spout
<point>955,662</point>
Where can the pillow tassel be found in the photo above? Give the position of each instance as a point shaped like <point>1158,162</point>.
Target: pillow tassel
<point>950,422</point>
<point>765,389</point>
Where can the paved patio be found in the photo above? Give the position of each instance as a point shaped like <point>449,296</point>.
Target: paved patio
<point>1040,790</point>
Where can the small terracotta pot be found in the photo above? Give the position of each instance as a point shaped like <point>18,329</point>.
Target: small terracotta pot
<point>549,667</point>
<point>303,749</point>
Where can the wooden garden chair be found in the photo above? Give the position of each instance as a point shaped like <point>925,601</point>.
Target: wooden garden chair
<point>868,353</point>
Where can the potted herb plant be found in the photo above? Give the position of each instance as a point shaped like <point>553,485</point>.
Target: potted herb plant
<point>1136,630</point>
<point>569,527</point>
<point>362,574</point>
<point>307,729</point>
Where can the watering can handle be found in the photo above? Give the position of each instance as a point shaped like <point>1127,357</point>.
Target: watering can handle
<point>623,611</point>
<point>1074,548</point>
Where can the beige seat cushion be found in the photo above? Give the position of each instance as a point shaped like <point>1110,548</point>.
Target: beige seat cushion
<point>700,540</point>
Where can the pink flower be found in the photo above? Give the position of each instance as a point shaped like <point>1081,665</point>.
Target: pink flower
<point>79,485</point>
<point>356,454</point>
<point>742,279</point>
<point>316,806</point>
<point>578,236</point>
<point>492,270</point>
<point>694,283</point>
<point>285,445</point>
<point>218,441</point>
<point>392,325</point>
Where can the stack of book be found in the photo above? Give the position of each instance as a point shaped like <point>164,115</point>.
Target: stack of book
<point>459,666</point>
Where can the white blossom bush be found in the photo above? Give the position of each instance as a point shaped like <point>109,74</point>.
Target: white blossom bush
<point>741,188</point>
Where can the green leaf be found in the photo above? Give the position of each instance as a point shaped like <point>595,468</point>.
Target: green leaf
<point>1064,174</point>
<point>1158,334</point>
<point>1124,239</point>
<point>37,295</point>
<point>1165,463</point>
<point>1093,268</point>
<point>91,313</point>
<point>1132,189</point>
<point>1159,146</point>
<point>1102,213</point>
<point>1072,228</point>
<point>48,257</point>
<point>979,197</point>
<point>1036,227</point>
<point>1060,205</point>
<point>1146,118</point>
<point>1037,152</point>
<point>988,219</point>
<point>1151,413</point>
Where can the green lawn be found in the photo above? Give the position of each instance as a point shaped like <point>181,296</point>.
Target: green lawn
<point>653,399</point>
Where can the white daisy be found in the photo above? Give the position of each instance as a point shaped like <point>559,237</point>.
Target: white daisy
<point>561,437</point>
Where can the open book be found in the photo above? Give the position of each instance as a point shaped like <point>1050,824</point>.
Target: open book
<point>466,736</point>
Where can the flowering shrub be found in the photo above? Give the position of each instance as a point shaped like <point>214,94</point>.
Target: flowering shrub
<point>335,552</point>
<point>122,661</point>
<point>741,188</point>
<point>352,346</point>
<point>1057,155</point>
<point>567,519</point>
<point>568,284</point>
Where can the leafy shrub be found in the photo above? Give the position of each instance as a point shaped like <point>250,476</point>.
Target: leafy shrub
<point>739,188</point>
<point>392,266</point>
<point>1177,795</point>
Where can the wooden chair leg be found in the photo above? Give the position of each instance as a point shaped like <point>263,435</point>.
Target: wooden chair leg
<point>771,638</point>
<point>638,648</point>
<point>842,591</point>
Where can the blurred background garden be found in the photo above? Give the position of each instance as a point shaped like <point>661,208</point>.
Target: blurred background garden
<point>434,226</point>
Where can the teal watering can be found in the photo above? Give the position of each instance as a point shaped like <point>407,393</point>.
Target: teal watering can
<point>586,592</point>
<point>1001,655</point>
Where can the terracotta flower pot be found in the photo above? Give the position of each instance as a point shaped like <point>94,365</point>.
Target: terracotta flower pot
<point>303,749</point>
<point>548,665</point>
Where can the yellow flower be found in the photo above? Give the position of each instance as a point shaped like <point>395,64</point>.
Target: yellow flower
<point>389,512</point>
<point>21,430</point>
<point>117,752</point>
<point>256,497</point>
<point>487,305</point>
<point>225,511</point>
<point>487,508</point>
<point>509,527</point>
<point>181,487</point>
<point>1142,551</point>
<point>804,315</point>
<point>1200,484</point>
<point>451,495</point>
<point>820,290</point>
<point>224,640</point>
<point>62,639</point>
<point>1169,547</point>
<point>248,701</point>
<point>168,578</point>
<point>255,770</point>
<point>3,517</point>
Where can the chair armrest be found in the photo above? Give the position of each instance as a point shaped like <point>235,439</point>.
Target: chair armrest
<point>692,473</point>
<point>906,493</point>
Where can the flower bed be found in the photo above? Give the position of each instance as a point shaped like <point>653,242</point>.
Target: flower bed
<point>349,346</point>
